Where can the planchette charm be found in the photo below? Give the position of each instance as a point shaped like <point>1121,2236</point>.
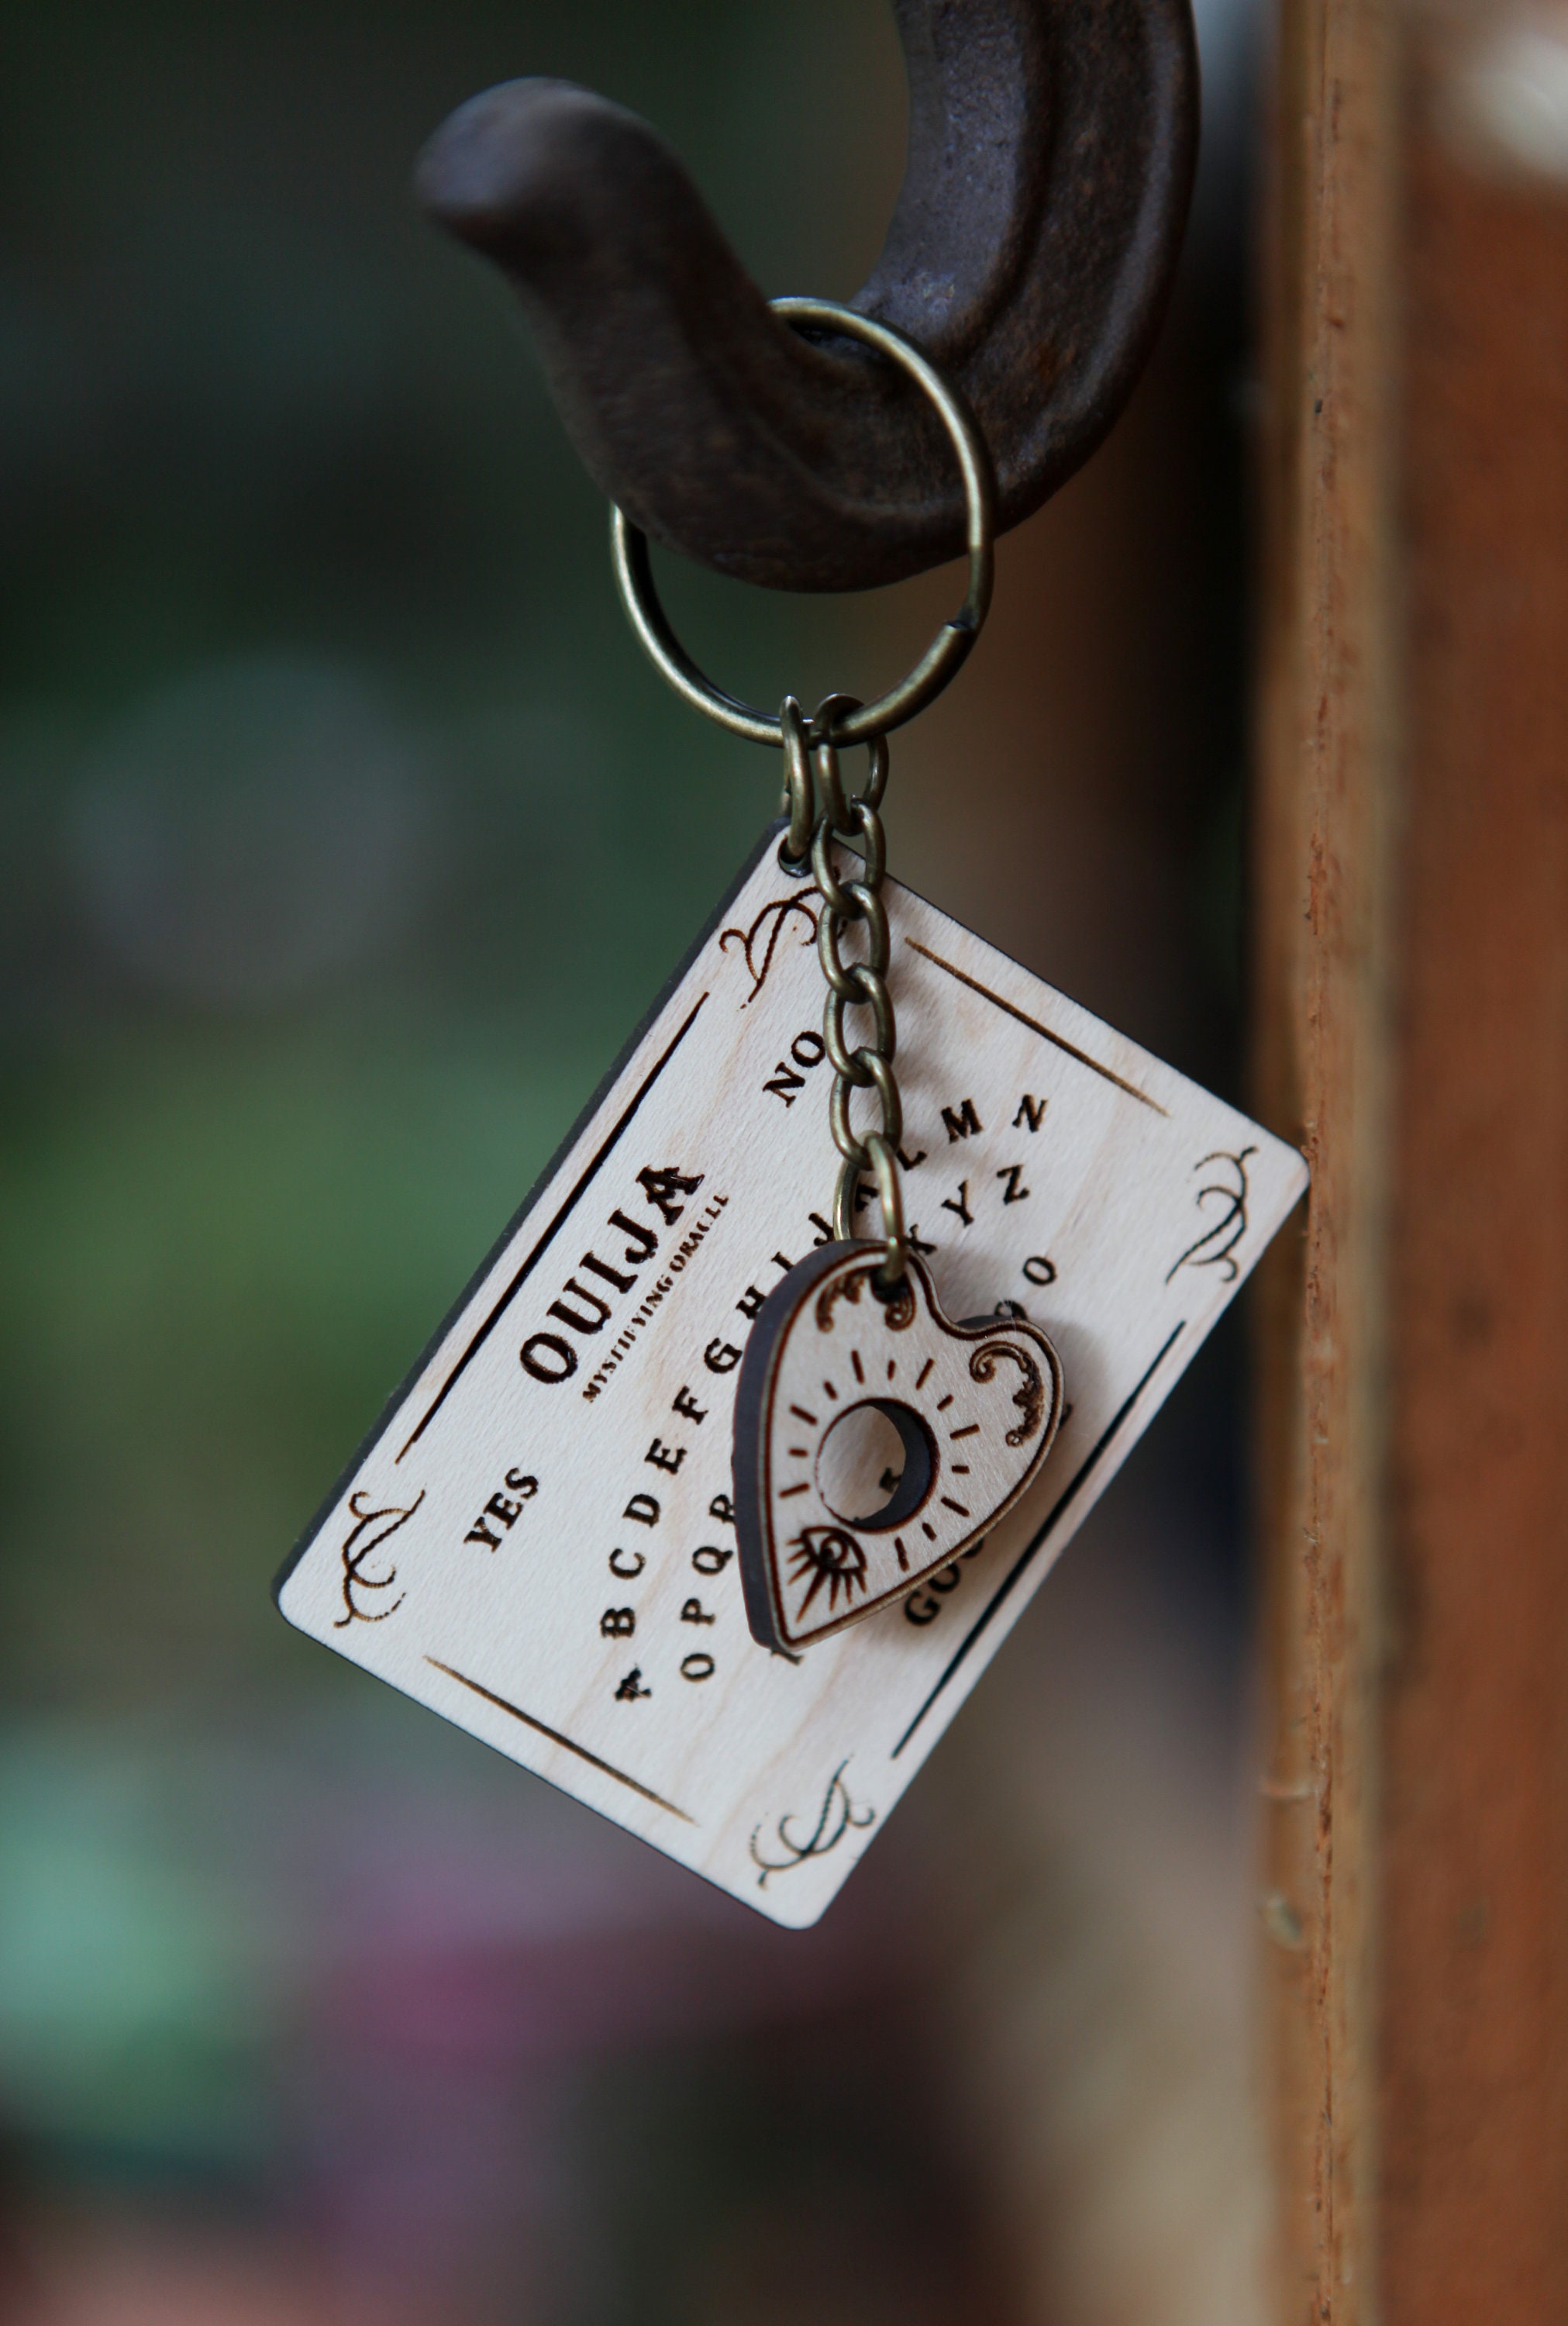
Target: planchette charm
<point>840,1382</point>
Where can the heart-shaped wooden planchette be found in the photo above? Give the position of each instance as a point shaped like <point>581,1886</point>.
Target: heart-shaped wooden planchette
<point>875,1442</point>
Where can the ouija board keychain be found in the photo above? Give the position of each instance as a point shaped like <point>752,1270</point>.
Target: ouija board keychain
<point>837,1312</point>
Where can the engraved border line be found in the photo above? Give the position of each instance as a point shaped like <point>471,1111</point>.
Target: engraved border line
<point>556,1738</point>
<point>494,1318</point>
<point>1062,1501</point>
<point>1035,1027</point>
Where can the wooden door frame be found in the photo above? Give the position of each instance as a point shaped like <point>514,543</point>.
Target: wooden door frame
<point>1410,874</point>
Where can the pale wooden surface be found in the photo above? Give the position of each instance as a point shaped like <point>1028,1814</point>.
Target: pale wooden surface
<point>549,1562</point>
<point>1321,870</point>
<point>981,1404</point>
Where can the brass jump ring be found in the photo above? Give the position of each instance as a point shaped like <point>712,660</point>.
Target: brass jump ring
<point>947,651</point>
<point>798,803</point>
<point>877,1157</point>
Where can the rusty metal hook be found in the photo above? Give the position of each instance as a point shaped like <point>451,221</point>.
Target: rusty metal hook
<point>1052,145</point>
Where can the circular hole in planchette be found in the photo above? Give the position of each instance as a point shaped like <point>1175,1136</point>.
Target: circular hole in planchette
<point>876,1465</point>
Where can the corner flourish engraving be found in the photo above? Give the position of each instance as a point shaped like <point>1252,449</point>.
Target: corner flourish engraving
<point>366,1535</point>
<point>898,1307</point>
<point>759,948</point>
<point>1215,1248</point>
<point>837,1817</point>
<point>836,1288</point>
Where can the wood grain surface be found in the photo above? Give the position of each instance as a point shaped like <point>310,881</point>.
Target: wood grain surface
<point>1475,1867</point>
<point>1321,867</point>
<point>1412,883</point>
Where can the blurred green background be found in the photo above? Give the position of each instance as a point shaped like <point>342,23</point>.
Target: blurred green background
<point>340,809</point>
<point>345,834</point>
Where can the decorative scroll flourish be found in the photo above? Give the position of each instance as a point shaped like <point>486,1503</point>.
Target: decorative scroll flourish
<point>836,1288</point>
<point>898,1308</point>
<point>1216,1246</point>
<point>837,1817</point>
<point>830,1556</point>
<point>759,949</point>
<point>366,1535</point>
<point>1029,1397</point>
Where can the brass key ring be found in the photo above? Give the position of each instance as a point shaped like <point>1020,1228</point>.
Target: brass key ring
<point>948,650</point>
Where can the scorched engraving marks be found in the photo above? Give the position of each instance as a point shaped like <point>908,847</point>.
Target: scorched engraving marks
<point>834,1370</point>
<point>595,1629</point>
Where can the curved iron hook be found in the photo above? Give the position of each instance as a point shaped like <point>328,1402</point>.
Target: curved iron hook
<point>1052,145</point>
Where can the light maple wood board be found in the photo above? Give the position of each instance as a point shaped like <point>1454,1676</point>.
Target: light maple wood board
<point>538,1540</point>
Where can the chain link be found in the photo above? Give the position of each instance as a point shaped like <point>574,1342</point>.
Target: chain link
<point>823,820</point>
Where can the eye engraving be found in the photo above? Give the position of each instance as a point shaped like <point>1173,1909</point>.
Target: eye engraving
<point>830,1556</point>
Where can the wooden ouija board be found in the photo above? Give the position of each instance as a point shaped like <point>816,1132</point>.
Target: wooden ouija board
<point>538,1539</point>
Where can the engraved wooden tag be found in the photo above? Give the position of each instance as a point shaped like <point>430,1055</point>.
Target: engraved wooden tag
<point>538,1540</point>
<point>966,1414</point>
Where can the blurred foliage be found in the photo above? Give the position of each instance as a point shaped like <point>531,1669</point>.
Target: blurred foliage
<point>273,1081</point>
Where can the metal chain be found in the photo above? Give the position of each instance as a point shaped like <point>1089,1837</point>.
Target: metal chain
<point>822,820</point>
